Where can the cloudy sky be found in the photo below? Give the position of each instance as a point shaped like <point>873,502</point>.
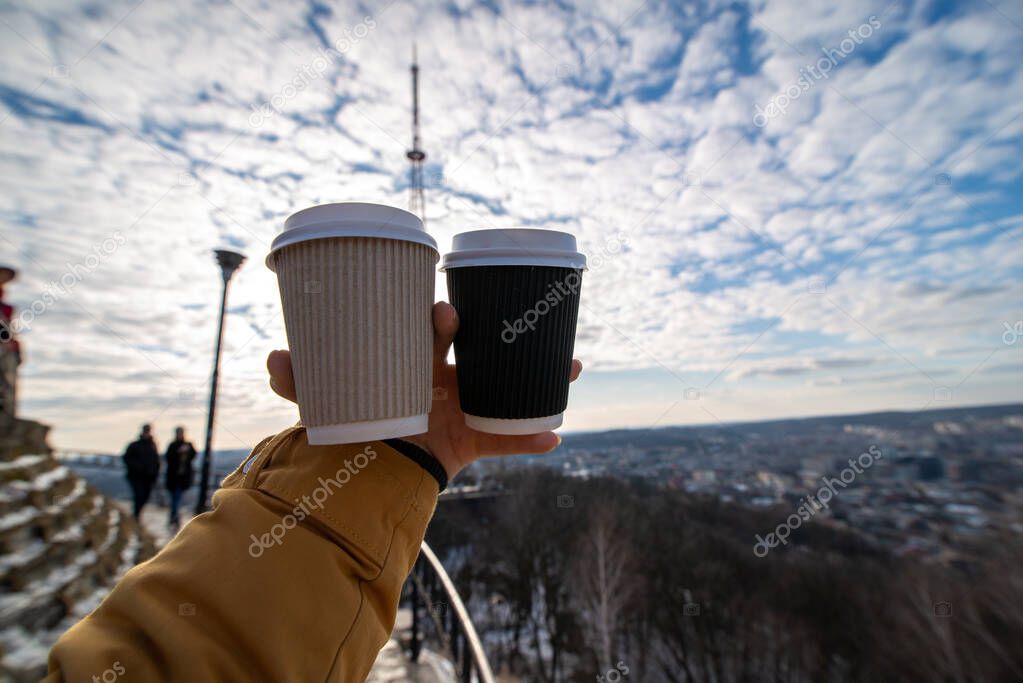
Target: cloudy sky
<point>790,207</point>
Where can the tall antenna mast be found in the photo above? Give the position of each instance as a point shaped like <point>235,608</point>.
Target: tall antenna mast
<point>416,156</point>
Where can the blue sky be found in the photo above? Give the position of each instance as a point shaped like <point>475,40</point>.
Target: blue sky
<point>790,208</point>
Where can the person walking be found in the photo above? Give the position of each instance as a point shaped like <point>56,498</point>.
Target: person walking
<point>142,467</point>
<point>179,457</point>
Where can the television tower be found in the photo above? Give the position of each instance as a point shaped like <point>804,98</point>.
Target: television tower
<point>416,156</point>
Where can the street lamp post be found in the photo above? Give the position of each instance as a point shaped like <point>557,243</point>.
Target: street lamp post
<point>229,261</point>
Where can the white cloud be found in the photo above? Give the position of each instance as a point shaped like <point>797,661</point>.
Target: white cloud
<point>538,115</point>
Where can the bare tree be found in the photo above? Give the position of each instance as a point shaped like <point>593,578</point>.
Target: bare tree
<point>604,584</point>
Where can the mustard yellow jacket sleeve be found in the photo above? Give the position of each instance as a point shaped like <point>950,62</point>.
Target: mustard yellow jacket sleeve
<point>294,575</point>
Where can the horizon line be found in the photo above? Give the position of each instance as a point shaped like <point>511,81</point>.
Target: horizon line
<point>704,425</point>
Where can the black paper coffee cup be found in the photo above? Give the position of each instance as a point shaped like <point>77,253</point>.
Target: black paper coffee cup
<point>517,296</point>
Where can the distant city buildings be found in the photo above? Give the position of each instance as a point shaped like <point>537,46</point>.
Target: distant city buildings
<point>944,479</point>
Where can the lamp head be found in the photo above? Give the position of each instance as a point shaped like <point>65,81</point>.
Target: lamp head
<point>229,261</point>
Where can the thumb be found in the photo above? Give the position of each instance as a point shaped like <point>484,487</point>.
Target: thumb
<point>282,377</point>
<point>445,325</point>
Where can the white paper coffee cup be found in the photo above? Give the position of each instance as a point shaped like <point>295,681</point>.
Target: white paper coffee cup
<point>357,287</point>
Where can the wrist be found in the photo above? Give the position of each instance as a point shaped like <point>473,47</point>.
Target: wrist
<point>423,441</point>
<point>417,450</point>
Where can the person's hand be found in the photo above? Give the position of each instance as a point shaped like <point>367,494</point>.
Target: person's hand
<point>449,439</point>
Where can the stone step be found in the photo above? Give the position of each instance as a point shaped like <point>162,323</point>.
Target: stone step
<point>17,481</point>
<point>26,526</point>
<point>25,468</point>
<point>59,482</point>
<point>78,508</point>
<point>43,514</point>
<point>102,573</point>
<point>52,594</point>
<point>23,652</point>
<point>62,545</point>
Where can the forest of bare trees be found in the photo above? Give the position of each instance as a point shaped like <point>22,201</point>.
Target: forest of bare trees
<point>572,580</point>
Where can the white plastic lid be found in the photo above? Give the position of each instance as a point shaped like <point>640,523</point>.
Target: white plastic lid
<point>350,219</point>
<point>514,247</point>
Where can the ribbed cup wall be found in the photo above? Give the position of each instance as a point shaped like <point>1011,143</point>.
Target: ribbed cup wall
<point>509,374</point>
<point>357,314</point>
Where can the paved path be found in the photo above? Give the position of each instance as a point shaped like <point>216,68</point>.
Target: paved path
<point>392,666</point>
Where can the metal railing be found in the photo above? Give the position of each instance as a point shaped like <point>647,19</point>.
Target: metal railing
<point>433,596</point>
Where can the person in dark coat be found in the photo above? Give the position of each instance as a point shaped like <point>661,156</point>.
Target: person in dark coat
<point>179,457</point>
<point>142,467</point>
